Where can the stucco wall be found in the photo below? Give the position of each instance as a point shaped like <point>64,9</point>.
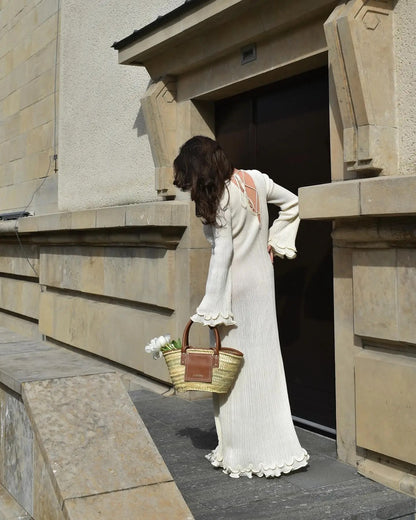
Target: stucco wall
<point>405,45</point>
<point>104,153</point>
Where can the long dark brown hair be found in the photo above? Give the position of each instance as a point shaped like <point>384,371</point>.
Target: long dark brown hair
<point>203,168</point>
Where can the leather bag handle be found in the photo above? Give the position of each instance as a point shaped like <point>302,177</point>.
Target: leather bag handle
<point>185,341</point>
<point>185,338</point>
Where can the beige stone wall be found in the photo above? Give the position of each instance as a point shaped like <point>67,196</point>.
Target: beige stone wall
<point>375,339</point>
<point>27,83</point>
<point>19,288</point>
<point>374,245</point>
<point>104,156</point>
<point>109,279</point>
<point>103,288</point>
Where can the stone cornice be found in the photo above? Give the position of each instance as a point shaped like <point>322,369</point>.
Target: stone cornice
<point>215,29</point>
<point>375,233</point>
<point>152,223</point>
<point>373,197</point>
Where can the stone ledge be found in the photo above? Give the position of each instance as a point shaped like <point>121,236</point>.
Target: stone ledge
<point>377,232</point>
<point>91,437</point>
<point>149,214</point>
<point>24,360</point>
<point>376,197</point>
<point>153,501</point>
<point>386,474</point>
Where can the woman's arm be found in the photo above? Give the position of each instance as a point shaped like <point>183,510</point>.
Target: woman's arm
<point>282,234</point>
<point>215,308</point>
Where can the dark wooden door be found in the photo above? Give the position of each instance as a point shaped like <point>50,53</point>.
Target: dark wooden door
<point>283,130</point>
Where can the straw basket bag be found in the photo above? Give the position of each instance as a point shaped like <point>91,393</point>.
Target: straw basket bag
<point>206,369</point>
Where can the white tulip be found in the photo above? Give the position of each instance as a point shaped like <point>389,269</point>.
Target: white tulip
<point>156,344</point>
<point>162,341</point>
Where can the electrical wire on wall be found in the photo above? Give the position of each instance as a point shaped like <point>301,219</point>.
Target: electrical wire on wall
<point>53,158</point>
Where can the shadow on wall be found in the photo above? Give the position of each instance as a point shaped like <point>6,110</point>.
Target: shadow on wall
<point>139,123</point>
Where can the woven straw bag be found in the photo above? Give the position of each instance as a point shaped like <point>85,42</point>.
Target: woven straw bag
<point>204,369</point>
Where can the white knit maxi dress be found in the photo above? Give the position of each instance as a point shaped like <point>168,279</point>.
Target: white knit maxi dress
<point>254,425</point>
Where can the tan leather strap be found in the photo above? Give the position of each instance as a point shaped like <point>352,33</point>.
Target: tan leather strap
<point>185,337</point>
<point>185,343</point>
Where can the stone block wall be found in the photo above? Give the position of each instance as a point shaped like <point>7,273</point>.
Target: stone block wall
<point>373,234</point>
<point>19,288</point>
<point>375,333</point>
<point>104,280</point>
<point>107,281</point>
<point>52,49</point>
<point>28,53</point>
<point>375,339</point>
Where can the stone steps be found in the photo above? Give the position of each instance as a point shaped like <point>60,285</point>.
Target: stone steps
<point>73,445</point>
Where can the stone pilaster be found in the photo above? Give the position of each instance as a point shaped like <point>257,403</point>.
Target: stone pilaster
<point>159,110</point>
<point>360,45</point>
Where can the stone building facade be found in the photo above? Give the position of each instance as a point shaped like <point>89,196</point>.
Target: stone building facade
<point>116,254</point>
<point>63,93</point>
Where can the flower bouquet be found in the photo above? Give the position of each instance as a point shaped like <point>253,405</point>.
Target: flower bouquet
<point>158,345</point>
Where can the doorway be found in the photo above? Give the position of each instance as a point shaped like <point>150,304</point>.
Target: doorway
<point>283,130</point>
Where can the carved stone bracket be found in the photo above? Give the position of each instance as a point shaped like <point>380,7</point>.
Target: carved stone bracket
<point>159,110</point>
<point>359,34</point>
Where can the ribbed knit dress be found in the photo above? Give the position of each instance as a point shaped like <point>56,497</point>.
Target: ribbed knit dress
<point>253,421</point>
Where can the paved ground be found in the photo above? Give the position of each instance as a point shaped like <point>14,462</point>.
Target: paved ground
<point>327,490</point>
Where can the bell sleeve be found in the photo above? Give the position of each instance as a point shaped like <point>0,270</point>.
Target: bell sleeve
<point>215,307</point>
<point>282,234</point>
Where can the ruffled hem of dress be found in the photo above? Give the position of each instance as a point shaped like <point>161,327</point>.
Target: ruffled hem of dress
<point>283,252</point>
<point>261,470</point>
<point>213,320</point>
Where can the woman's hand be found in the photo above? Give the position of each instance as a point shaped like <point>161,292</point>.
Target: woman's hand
<point>270,251</point>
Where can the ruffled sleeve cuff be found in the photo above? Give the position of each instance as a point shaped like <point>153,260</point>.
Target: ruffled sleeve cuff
<point>282,234</point>
<point>283,252</point>
<point>212,320</point>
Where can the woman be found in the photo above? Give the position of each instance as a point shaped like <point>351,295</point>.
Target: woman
<point>254,425</point>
